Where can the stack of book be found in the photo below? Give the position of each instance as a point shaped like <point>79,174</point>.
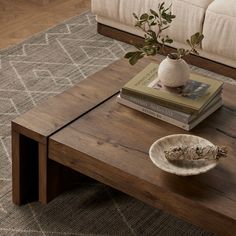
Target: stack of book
<point>184,106</point>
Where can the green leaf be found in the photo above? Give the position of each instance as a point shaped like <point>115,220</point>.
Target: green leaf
<point>138,24</point>
<point>151,17</point>
<point>138,55</point>
<point>193,39</point>
<point>195,52</point>
<point>168,8</point>
<point>188,42</point>
<point>150,51</point>
<point>129,54</point>
<point>152,34</point>
<point>149,41</point>
<point>196,39</point>
<point>167,17</point>
<point>161,7</point>
<point>135,16</point>
<point>168,40</point>
<point>144,17</point>
<point>200,38</point>
<point>138,46</point>
<point>181,52</point>
<point>154,13</point>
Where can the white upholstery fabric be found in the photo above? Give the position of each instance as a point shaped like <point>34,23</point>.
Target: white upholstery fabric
<point>106,8</point>
<point>189,18</point>
<point>215,18</point>
<point>211,56</point>
<point>189,14</point>
<point>220,29</point>
<point>121,10</point>
<point>133,30</point>
<point>198,3</point>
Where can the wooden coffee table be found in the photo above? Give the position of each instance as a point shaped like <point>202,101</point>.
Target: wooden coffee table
<point>84,129</point>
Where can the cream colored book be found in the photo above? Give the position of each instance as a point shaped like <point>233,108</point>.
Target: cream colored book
<point>182,125</point>
<point>172,113</point>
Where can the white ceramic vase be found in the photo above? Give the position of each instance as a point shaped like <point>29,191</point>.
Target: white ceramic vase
<point>173,72</point>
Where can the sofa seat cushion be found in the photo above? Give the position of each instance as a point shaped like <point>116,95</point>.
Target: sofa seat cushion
<point>189,14</point>
<point>220,28</point>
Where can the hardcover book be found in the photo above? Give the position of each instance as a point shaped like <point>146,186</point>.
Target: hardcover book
<point>191,98</point>
<point>172,113</point>
<point>186,126</point>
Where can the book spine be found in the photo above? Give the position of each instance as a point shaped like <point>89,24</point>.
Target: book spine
<point>195,122</point>
<point>153,113</point>
<point>184,109</point>
<point>180,116</point>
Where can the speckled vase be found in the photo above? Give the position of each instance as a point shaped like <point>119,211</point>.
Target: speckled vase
<point>173,72</point>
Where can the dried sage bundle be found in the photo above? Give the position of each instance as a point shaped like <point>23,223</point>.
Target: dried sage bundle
<point>195,153</point>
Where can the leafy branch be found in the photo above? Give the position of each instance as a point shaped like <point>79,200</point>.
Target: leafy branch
<point>155,41</point>
<point>194,41</point>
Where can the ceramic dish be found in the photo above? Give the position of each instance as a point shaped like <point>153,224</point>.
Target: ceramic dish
<point>183,167</point>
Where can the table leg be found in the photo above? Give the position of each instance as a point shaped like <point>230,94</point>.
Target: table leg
<point>54,178</point>
<point>50,184</point>
<point>24,169</point>
<point>34,176</point>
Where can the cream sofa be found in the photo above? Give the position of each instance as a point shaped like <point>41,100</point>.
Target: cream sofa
<point>216,19</point>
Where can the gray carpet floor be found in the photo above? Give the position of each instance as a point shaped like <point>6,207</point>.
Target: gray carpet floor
<point>32,71</point>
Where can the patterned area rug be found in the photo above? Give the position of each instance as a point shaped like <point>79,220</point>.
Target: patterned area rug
<point>43,66</point>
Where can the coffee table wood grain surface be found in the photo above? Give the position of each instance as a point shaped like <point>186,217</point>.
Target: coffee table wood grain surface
<point>86,130</point>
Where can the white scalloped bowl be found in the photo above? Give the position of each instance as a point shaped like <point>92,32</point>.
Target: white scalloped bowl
<point>185,167</point>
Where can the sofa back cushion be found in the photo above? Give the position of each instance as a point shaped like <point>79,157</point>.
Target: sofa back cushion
<point>189,14</point>
<point>220,28</point>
